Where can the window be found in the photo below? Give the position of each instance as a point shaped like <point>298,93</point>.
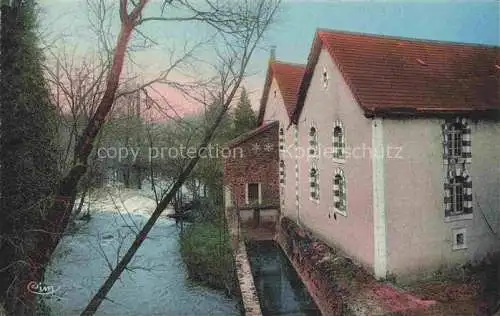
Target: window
<point>457,158</point>
<point>314,183</point>
<point>339,192</point>
<point>253,193</point>
<point>282,172</point>
<point>282,139</point>
<point>324,77</point>
<point>313,141</point>
<point>459,239</point>
<point>458,194</point>
<point>338,142</point>
<point>457,141</point>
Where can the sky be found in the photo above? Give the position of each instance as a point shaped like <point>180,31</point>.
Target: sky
<point>292,33</point>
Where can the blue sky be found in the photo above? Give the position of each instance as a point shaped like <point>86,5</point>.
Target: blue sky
<point>473,21</point>
<point>458,21</point>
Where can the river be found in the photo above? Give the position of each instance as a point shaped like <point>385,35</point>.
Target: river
<point>156,284</point>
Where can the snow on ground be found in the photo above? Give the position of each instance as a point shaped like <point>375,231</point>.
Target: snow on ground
<point>156,284</point>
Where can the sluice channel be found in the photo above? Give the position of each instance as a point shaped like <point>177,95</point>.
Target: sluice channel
<point>279,287</point>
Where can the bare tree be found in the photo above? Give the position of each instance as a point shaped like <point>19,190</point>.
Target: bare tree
<point>245,28</point>
<point>238,25</point>
<point>76,85</point>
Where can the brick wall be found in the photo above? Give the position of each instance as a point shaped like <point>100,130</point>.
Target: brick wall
<point>254,159</point>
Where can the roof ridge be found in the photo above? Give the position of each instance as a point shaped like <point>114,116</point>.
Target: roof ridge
<point>288,63</point>
<point>403,38</point>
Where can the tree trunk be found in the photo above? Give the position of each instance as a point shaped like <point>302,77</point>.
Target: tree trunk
<point>80,204</point>
<point>126,176</point>
<point>117,271</point>
<point>52,226</point>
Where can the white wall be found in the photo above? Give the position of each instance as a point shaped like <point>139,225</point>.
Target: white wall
<point>353,233</point>
<point>419,238</point>
<point>276,111</point>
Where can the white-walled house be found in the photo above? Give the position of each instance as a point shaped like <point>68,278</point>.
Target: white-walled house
<point>390,148</point>
<point>278,103</point>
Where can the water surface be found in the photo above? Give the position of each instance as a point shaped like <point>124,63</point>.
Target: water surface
<point>280,289</point>
<point>156,284</point>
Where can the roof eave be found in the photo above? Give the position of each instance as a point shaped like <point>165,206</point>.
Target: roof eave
<point>250,134</point>
<point>408,113</point>
<point>265,94</point>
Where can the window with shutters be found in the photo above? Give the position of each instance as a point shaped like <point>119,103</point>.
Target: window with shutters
<point>457,159</point>
<point>458,193</point>
<point>338,141</point>
<point>313,141</point>
<point>314,183</point>
<point>339,193</point>
<point>457,141</point>
<point>282,139</point>
<point>456,196</point>
<point>282,172</point>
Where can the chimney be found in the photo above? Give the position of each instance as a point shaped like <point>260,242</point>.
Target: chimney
<point>272,56</point>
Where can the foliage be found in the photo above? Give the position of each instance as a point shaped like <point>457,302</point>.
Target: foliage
<point>244,117</point>
<point>28,158</point>
<point>206,251</point>
<point>210,171</point>
<point>125,131</point>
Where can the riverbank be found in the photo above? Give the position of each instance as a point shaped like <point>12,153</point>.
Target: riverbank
<point>337,284</point>
<point>341,287</point>
<point>206,251</point>
<point>155,282</point>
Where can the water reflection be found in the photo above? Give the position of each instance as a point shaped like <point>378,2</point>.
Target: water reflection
<point>280,290</point>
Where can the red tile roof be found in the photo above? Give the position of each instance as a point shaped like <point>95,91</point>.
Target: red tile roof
<point>400,76</point>
<point>288,76</point>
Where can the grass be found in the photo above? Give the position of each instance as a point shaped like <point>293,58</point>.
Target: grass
<point>206,251</point>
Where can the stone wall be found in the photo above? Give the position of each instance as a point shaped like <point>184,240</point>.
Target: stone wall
<point>266,218</point>
<point>299,247</point>
<point>338,285</point>
<point>250,299</point>
<point>254,159</point>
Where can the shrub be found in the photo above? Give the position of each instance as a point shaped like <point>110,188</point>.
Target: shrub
<point>206,251</point>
